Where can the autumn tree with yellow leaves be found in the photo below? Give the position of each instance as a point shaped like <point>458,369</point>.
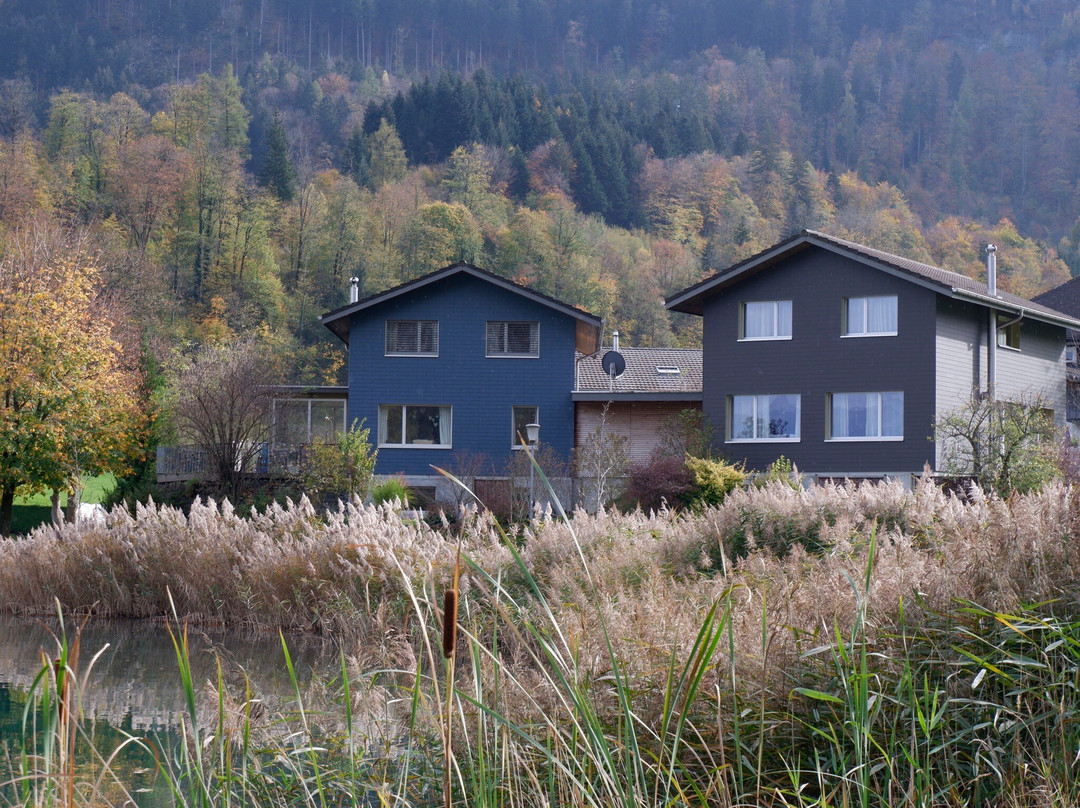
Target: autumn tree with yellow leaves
<point>69,402</point>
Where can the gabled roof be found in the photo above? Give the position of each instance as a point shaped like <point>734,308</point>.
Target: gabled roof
<point>588,325</point>
<point>652,374</point>
<point>1064,298</point>
<point>953,284</point>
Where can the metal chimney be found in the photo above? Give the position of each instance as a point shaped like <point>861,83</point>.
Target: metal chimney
<point>354,289</point>
<point>615,341</point>
<point>991,270</point>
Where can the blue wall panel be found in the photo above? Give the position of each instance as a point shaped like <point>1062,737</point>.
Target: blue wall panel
<point>481,391</point>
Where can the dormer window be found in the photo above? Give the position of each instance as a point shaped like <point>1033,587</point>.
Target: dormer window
<point>412,337</point>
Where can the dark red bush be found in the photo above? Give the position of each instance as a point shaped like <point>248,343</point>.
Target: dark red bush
<point>658,480</point>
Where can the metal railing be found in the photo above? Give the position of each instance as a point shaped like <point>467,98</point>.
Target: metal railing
<point>181,463</point>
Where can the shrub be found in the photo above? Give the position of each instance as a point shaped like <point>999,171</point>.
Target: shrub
<point>391,489</point>
<point>345,468</point>
<point>713,479</point>
<point>780,470</point>
<point>661,480</point>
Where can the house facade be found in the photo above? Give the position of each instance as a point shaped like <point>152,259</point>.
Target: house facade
<point>841,358</point>
<point>655,386</point>
<point>1066,299</point>
<point>459,361</point>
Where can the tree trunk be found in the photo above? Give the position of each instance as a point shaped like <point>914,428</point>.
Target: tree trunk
<point>57,513</point>
<point>71,513</point>
<point>7,502</point>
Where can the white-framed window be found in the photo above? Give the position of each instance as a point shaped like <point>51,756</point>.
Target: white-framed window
<point>1070,354</point>
<point>420,425</point>
<point>866,416</point>
<point>412,337</point>
<point>870,316</point>
<point>513,338</point>
<point>764,418</point>
<point>765,319</point>
<point>1008,332</point>
<point>519,417</point>
<point>298,421</point>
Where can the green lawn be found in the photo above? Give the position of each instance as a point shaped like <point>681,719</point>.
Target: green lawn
<point>29,512</point>
<point>94,490</point>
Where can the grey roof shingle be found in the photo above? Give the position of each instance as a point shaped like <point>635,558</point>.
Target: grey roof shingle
<point>1064,298</point>
<point>641,374</point>
<point>953,282</point>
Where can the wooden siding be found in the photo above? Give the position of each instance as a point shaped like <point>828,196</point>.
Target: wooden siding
<point>1038,368</point>
<point>481,391</point>
<point>639,422</point>
<point>960,341</point>
<point>818,360</point>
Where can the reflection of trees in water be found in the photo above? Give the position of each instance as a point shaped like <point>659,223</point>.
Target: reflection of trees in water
<point>137,677</point>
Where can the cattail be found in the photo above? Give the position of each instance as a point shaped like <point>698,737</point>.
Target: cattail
<point>449,627</point>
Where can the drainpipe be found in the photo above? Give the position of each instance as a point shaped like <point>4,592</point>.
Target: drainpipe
<point>991,322</point>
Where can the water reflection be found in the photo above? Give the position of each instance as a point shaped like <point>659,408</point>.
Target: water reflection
<point>135,682</point>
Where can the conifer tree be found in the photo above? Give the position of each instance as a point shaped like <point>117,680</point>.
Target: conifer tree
<point>277,171</point>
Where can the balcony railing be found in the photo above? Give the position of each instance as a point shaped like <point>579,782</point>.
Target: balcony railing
<point>180,463</point>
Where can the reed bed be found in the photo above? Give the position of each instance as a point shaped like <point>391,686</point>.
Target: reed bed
<point>843,645</point>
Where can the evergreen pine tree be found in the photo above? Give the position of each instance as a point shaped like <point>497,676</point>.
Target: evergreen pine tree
<point>277,172</point>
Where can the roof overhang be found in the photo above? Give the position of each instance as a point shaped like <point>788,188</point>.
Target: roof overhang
<point>587,334</point>
<point>692,299</point>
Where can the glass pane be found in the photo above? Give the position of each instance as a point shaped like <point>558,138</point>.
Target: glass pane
<point>495,342</point>
<point>429,337</point>
<point>327,419</point>
<point>742,417</point>
<point>390,424</point>
<point>856,315</point>
<point>290,422</point>
<point>422,424</point>
<point>781,418</point>
<point>760,320</point>
<point>519,338</point>
<point>892,407</point>
<point>522,416</point>
<point>783,312</point>
<point>881,315</point>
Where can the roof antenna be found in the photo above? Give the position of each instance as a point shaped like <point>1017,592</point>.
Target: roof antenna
<point>612,362</point>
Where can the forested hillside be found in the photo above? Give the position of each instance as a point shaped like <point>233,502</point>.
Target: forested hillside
<point>237,162</point>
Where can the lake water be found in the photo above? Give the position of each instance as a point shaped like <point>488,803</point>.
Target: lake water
<point>134,686</point>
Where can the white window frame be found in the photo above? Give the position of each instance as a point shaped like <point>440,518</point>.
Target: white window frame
<point>282,400</point>
<point>1007,326</point>
<point>848,333</point>
<point>514,443</point>
<point>445,411</point>
<point>879,438</point>
<point>757,409</point>
<point>776,306</point>
<point>534,338</point>
<point>419,338</point>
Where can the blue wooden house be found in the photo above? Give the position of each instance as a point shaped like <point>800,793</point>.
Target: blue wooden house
<point>460,360</point>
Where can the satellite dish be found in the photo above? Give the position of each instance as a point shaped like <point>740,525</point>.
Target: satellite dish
<point>614,364</point>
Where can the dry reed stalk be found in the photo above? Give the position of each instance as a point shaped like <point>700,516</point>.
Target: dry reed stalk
<point>449,644</point>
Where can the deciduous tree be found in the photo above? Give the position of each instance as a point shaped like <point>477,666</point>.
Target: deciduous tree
<point>223,405</point>
<point>68,401</point>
